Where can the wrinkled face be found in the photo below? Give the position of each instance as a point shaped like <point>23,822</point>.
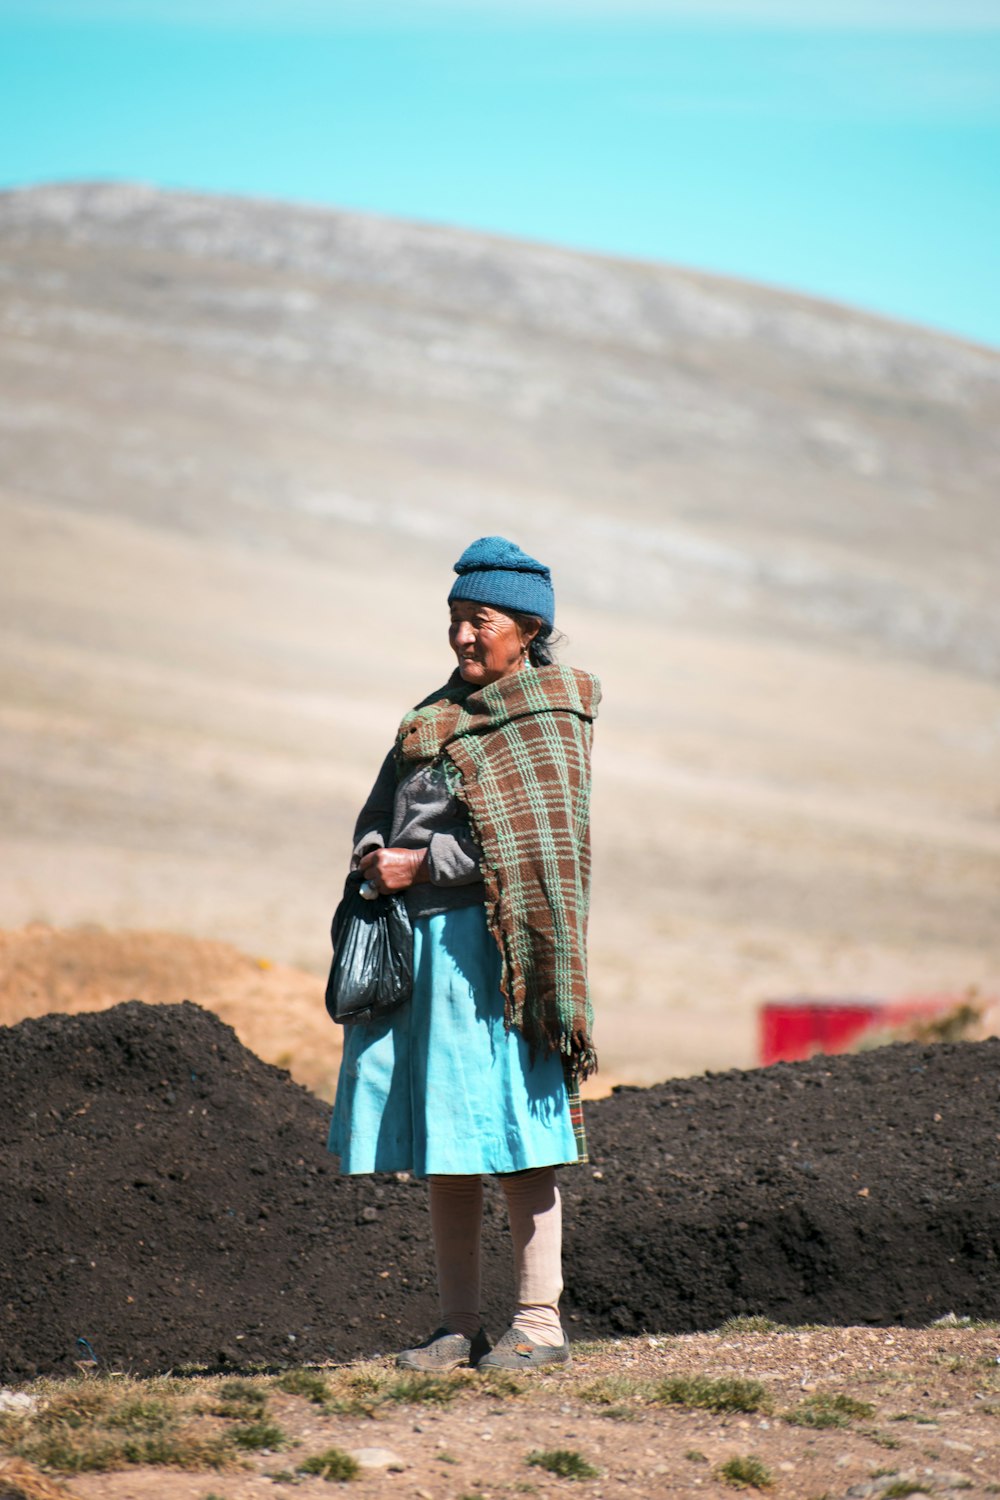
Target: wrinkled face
<point>487,643</point>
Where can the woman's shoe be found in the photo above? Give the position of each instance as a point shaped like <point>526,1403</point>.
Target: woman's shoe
<point>513,1351</point>
<point>444,1351</point>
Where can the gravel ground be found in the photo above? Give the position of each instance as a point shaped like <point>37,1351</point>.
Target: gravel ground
<point>934,1426</point>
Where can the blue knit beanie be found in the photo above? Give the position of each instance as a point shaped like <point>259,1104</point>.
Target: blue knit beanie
<point>495,571</point>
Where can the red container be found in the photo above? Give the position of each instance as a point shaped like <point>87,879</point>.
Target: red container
<point>791,1030</point>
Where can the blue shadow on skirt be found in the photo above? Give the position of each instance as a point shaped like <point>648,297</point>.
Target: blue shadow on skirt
<point>440,1086</point>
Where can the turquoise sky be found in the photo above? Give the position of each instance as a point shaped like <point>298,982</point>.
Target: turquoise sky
<point>849,149</point>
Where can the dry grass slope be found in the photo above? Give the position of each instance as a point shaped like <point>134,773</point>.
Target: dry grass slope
<point>241,445</point>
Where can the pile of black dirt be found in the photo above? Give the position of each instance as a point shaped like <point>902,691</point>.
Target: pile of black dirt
<point>845,1190</point>
<point>167,1196</point>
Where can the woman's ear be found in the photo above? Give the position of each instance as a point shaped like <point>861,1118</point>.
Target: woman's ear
<point>528,633</point>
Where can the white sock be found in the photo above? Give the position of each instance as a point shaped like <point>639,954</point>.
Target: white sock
<point>534,1208</point>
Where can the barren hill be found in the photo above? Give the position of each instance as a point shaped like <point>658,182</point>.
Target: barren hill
<point>241,444</point>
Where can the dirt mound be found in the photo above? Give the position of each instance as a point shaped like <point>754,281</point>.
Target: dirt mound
<point>854,1189</point>
<point>276,1010</point>
<point>168,1198</point>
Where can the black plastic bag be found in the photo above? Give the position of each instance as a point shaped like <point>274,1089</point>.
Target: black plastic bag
<point>372,969</point>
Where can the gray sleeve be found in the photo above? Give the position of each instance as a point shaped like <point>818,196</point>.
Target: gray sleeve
<point>453,858</point>
<point>371,831</point>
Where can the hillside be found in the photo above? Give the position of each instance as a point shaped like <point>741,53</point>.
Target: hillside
<point>241,444</point>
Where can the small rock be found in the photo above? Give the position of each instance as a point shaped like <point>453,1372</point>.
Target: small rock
<point>887,1481</point>
<point>17,1401</point>
<point>378,1458</point>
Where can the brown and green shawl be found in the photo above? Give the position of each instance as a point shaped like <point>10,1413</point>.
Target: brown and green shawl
<point>517,753</point>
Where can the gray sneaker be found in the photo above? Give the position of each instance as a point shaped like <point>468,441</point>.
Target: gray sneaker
<point>444,1351</point>
<point>513,1351</point>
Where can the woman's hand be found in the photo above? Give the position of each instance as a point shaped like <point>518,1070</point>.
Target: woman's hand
<point>394,869</point>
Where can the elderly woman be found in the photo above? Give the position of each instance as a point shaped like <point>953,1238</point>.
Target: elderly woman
<point>480,813</point>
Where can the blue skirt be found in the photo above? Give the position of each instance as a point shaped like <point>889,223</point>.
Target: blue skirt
<point>440,1086</point>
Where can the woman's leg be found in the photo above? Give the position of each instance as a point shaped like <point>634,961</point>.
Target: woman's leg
<point>456,1222</point>
<point>535,1212</point>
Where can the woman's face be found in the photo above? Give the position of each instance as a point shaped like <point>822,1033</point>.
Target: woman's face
<point>487,643</point>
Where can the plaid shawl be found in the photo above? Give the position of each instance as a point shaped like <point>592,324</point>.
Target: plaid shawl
<point>517,753</point>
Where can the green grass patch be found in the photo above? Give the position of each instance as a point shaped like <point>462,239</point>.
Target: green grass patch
<point>745,1472</point>
<point>620,1397</point>
<point>617,1390</point>
<point>357,1392</point>
<point>365,1389</point>
<point>237,1401</point>
<point>727,1393</point>
<point>900,1488</point>
<point>695,1456</point>
<point>823,1409</point>
<point>308,1383</point>
<point>94,1424</point>
<point>263,1434</point>
<point>750,1323</point>
<point>566,1463</point>
<point>428,1390</point>
<point>499,1383</point>
<point>880,1439</point>
<point>333,1465</point>
<point>142,1414</point>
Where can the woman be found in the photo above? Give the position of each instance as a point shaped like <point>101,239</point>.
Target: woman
<point>481,814</point>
